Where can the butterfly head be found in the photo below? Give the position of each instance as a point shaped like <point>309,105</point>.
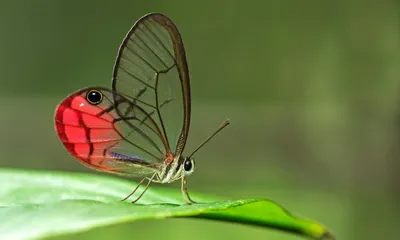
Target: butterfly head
<point>178,169</point>
<point>188,166</point>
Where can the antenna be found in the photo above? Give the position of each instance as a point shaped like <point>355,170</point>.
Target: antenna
<point>223,125</point>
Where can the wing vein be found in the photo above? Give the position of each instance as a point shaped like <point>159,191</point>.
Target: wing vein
<point>131,107</point>
<point>150,49</point>
<point>165,137</point>
<point>135,128</point>
<point>135,77</point>
<point>141,58</point>
<point>159,41</point>
<point>139,147</point>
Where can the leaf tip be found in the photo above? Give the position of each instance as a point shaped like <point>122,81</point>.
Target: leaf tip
<point>327,236</point>
<point>319,232</point>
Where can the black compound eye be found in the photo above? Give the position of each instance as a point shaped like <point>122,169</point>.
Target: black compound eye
<point>94,97</point>
<point>188,165</point>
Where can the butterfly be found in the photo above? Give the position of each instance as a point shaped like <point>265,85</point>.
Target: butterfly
<point>123,130</point>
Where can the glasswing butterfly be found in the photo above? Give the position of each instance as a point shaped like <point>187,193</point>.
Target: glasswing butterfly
<point>123,130</point>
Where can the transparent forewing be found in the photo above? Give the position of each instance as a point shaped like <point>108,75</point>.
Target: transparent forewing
<point>128,143</point>
<point>151,70</point>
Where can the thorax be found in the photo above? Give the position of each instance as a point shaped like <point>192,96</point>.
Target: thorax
<point>170,171</point>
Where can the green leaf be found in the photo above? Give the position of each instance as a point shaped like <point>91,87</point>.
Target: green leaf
<point>43,204</point>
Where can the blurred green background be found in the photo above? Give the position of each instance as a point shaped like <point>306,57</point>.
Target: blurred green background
<point>311,87</point>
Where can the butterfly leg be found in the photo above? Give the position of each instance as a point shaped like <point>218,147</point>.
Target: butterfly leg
<point>134,190</point>
<point>145,189</point>
<point>185,192</point>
